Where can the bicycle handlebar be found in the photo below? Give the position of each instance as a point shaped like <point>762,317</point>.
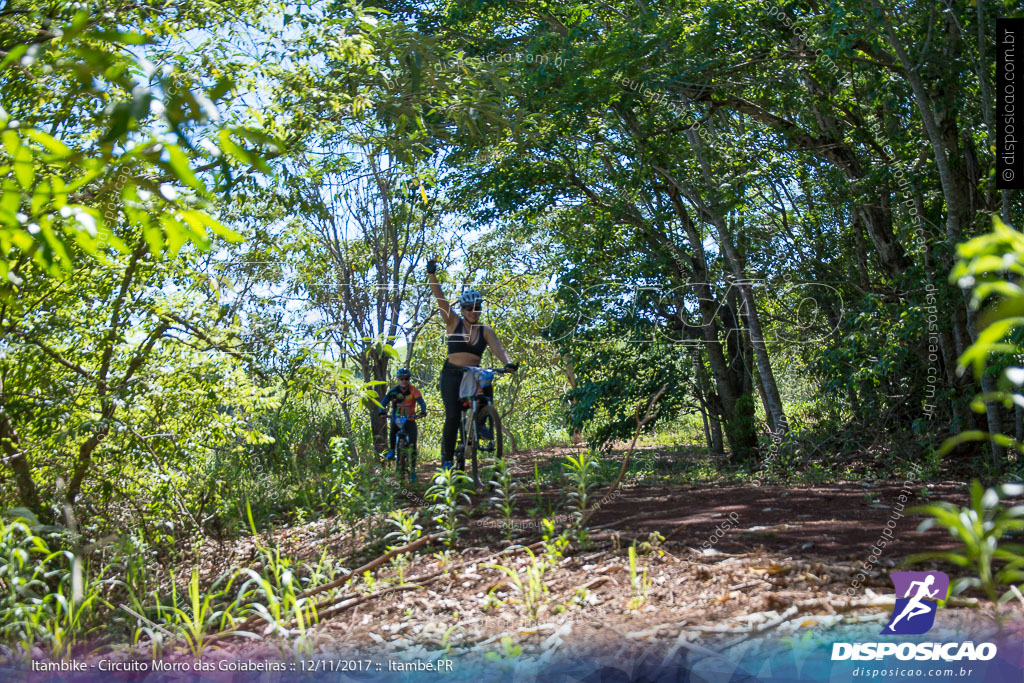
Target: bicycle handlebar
<point>394,414</point>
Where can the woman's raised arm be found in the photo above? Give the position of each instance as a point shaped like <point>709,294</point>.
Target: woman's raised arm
<point>435,287</point>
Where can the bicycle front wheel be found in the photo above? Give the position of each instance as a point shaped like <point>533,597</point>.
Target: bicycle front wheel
<point>469,446</point>
<point>488,430</point>
<point>459,456</point>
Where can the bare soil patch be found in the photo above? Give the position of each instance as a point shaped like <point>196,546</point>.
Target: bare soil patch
<point>737,562</point>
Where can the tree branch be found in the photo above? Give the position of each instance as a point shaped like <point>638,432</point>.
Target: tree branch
<point>641,422</point>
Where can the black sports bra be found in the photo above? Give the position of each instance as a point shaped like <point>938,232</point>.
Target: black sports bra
<point>458,342</point>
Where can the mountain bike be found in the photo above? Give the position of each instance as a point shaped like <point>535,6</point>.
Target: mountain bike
<point>480,427</point>
<point>405,452</point>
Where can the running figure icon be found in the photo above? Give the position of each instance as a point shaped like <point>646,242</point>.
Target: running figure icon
<point>914,607</point>
<point>917,596</point>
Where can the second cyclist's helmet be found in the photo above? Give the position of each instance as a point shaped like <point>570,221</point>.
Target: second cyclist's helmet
<point>471,298</point>
<point>403,372</point>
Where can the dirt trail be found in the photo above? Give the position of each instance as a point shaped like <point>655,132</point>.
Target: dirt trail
<point>736,561</point>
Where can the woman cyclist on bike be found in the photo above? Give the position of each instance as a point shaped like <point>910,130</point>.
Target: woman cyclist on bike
<point>467,339</point>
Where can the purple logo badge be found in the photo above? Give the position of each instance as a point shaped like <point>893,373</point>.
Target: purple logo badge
<point>916,596</point>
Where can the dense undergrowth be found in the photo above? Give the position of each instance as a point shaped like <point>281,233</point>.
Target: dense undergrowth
<point>65,596</point>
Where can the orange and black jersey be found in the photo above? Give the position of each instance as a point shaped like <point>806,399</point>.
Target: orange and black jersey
<point>405,400</point>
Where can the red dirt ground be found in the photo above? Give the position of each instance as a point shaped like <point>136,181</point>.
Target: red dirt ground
<point>782,559</point>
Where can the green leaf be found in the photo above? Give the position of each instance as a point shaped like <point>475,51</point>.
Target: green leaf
<point>15,53</point>
<point>78,24</point>
<point>952,558</point>
<point>60,192</point>
<point>228,146</point>
<point>962,437</point>
<point>57,247</point>
<point>10,199</point>
<point>154,238</point>
<point>90,175</point>
<point>57,148</point>
<point>122,37</point>
<point>21,159</point>
<point>224,84</point>
<point>987,342</point>
<point>198,220</point>
<point>22,239</point>
<point>120,118</point>
<point>41,197</point>
<point>179,165</point>
<point>177,233</point>
<point>21,513</point>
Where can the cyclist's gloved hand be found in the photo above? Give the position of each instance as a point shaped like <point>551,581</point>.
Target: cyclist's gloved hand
<point>382,412</point>
<point>511,367</point>
<point>432,266</point>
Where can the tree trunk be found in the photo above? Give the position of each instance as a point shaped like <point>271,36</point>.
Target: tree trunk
<point>570,375</point>
<point>739,368</point>
<point>876,217</point>
<point>707,427</point>
<point>375,368</point>
<point>350,430</point>
<point>718,446</point>
<point>956,195</point>
<point>736,265</point>
<point>698,380</point>
<point>513,446</point>
<point>1018,424</point>
<point>739,430</point>
<point>86,450</point>
<point>28,492</point>
<point>777,416</point>
<point>714,423</point>
<point>764,401</point>
<point>988,385</point>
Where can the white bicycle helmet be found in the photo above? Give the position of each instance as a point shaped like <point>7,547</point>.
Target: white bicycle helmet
<point>471,298</point>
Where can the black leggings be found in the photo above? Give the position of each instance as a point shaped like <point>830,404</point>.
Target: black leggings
<point>451,378</point>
